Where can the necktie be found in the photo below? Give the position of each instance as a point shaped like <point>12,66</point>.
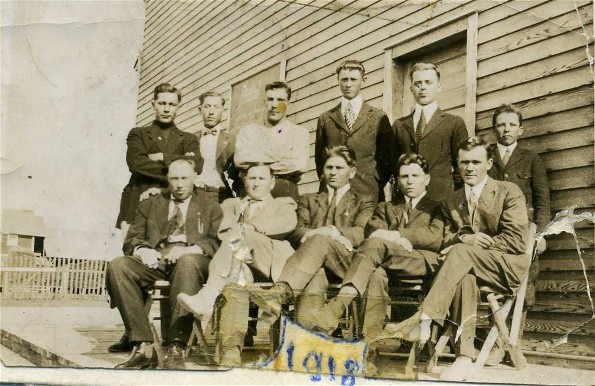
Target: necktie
<point>421,125</point>
<point>408,210</point>
<point>349,116</point>
<point>506,157</point>
<point>472,205</point>
<point>175,225</point>
<point>212,131</point>
<point>332,209</point>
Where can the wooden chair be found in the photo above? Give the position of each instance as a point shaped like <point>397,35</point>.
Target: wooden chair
<point>498,307</point>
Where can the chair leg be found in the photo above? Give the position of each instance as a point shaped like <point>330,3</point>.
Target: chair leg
<point>157,346</point>
<point>438,350</point>
<point>410,368</point>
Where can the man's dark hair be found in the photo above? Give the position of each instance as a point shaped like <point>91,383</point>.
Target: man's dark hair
<point>166,87</point>
<point>351,64</point>
<point>211,93</point>
<point>345,152</point>
<point>422,67</point>
<point>413,158</point>
<point>506,108</point>
<point>473,142</point>
<point>278,85</point>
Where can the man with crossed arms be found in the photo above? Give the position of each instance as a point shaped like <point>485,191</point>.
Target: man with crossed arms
<point>486,227</point>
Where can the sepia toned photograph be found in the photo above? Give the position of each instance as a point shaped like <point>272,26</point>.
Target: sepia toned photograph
<point>297,192</point>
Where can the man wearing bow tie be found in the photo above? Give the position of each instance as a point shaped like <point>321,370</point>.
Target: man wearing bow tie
<point>151,149</point>
<point>358,125</point>
<point>431,132</point>
<point>219,177</point>
<point>252,249</point>
<point>486,229</point>
<point>172,237</point>
<point>330,225</point>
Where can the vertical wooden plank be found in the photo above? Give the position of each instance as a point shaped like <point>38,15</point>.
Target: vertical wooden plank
<point>471,73</point>
<point>387,94</point>
<point>282,70</point>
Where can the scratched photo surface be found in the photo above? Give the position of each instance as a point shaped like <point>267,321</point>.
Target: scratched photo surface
<point>271,234</point>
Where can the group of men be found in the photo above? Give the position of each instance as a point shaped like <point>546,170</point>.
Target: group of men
<point>215,211</point>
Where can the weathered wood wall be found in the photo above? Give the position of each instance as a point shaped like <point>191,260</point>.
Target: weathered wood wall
<point>530,53</point>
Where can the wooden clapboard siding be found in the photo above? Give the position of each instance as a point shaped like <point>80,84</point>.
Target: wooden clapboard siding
<point>530,53</point>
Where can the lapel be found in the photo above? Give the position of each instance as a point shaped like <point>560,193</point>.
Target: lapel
<point>435,121</point>
<point>421,207</point>
<point>175,139</point>
<point>222,142</point>
<point>193,224</point>
<point>486,199</point>
<point>408,125</point>
<point>162,212</point>
<point>517,155</point>
<point>362,117</point>
<point>154,132</point>
<point>498,164</point>
<point>338,117</point>
<point>345,207</point>
<point>321,200</point>
<point>463,206</point>
<point>396,218</point>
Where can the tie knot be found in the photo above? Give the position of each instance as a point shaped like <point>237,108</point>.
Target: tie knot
<point>211,131</point>
<point>177,201</point>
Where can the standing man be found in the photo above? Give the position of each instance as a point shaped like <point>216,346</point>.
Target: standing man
<point>486,227</point>
<point>330,225</point>
<point>431,132</point>
<point>151,149</point>
<point>216,147</point>
<point>252,249</point>
<point>172,237</point>
<point>363,128</point>
<point>278,142</point>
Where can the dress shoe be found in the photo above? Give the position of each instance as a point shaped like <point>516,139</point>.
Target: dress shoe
<point>201,304</point>
<point>139,358</point>
<point>232,357</point>
<point>124,345</point>
<point>175,359</point>
<point>461,370</point>
<point>327,319</point>
<point>271,301</point>
<point>409,330</point>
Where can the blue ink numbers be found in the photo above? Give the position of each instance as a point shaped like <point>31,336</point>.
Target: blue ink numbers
<point>317,377</point>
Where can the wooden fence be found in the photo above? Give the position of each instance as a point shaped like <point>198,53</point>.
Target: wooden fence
<point>26,276</point>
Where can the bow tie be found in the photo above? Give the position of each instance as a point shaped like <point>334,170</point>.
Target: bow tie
<point>212,131</point>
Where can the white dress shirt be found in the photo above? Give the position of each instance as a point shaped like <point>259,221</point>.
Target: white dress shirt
<point>502,149</point>
<point>428,111</point>
<point>208,149</point>
<point>184,209</point>
<point>415,200</point>
<point>356,105</point>
<point>339,192</point>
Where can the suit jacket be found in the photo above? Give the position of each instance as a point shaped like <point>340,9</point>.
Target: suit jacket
<point>149,227</point>
<point>146,174</point>
<point>501,213</point>
<point>276,219</point>
<point>424,229</point>
<point>372,139</point>
<point>226,143</point>
<point>438,145</point>
<point>351,215</point>
<point>525,169</point>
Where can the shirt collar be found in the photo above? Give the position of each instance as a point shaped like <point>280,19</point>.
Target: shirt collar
<point>356,103</point>
<point>339,192</point>
<point>477,189</point>
<point>415,200</point>
<point>214,130</point>
<point>502,149</point>
<point>187,200</point>
<point>428,109</point>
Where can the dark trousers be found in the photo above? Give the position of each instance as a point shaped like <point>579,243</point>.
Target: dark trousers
<point>128,280</point>
<point>376,252</point>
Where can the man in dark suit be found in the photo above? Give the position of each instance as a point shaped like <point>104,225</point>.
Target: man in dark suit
<point>330,225</point>
<point>219,177</point>
<point>172,237</point>
<point>486,229</point>
<point>431,132</point>
<point>151,148</point>
<point>403,239</point>
<point>363,128</point>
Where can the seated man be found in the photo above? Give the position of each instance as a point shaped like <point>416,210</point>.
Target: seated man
<point>330,225</point>
<point>486,225</point>
<point>171,238</point>
<point>403,238</point>
<point>252,249</point>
